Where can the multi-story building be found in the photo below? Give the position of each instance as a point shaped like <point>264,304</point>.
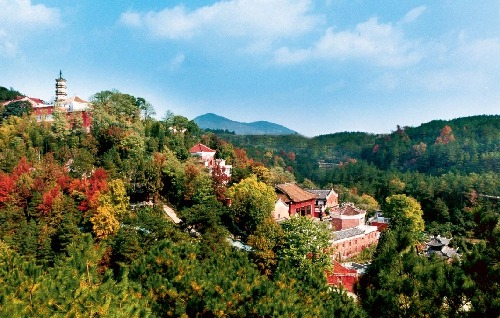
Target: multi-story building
<point>326,200</point>
<point>351,234</point>
<point>207,158</point>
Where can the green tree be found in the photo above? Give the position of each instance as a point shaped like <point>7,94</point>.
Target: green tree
<point>305,245</point>
<point>406,218</point>
<point>17,108</point>
<point>8,94</point>
<point>252,202</point>
<point>75,286</point>
<point>147,110</point>
<point>173,175</point>
<point>265,243</point>
<point>123,106</point>
<point>60,126</point>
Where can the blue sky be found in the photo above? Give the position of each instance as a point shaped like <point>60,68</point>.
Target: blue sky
<point>316,67</point>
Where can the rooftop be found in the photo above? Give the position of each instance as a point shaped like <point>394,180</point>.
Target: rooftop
<point>200,148</point>
<point>340,235</point>
<point>321,194</point>
<point>294,193</point>
<point>354,231</point>
<point>347,208</point>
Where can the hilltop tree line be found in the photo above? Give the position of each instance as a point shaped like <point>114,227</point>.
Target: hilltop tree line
<point>78,235</point>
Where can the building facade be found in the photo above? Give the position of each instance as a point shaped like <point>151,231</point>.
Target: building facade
<point>326,200</point>
<point>299,201</point>
<point>75,109</point>
<point>351,234</point>
<point>207,158</point>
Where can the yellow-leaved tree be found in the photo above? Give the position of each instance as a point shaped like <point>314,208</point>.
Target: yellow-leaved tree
<point>110,208</point>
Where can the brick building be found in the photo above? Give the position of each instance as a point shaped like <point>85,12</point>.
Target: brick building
<point>325,200</point>
<point>299,201</point>
<point>351,234</point>
<point>342,276</point>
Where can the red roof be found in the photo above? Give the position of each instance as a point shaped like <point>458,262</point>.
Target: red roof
<point>200,148</point>
<point>342,276</point>
<point>36,100</point>
<point>347,209</point>
<point>31,99</point>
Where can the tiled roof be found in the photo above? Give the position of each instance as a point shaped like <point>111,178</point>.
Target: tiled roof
<point>347,209</point>
<point>200,148</point>
<point>340,235</point>
<point>30,99</point>
<point>322,194</point>
<point>75,99</point>
<point>294,193</point>
<point>438,241</point>
<point>36,100</point>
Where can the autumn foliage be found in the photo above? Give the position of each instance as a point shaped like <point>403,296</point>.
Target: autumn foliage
<point>445,136</point>
<point>48,200</point>
<point>88,189</point>
<point>6,187</point>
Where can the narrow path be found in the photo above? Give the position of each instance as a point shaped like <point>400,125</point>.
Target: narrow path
<point>171,214</point>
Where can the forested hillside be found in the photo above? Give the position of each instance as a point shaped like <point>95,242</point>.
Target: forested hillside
<point>442,163</point>
<point>8,94</point>
<point>452,171</point>
<point>80,237</point>
<point>83,231</point>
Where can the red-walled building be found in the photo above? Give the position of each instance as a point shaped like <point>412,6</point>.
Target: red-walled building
<point>206,155</point>
<point>351,234</point>
<point>325,199</point>
<point>347,216</point>
<point>74,108</point>
<point>342,276</point>
<point>381,222</point>
<point>298,200</point>
<point>350,242</point>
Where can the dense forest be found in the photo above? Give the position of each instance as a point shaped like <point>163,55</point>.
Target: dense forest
<point>83,231</point>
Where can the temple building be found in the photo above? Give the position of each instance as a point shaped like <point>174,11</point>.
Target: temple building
<point>206,157</point>
<point>76,109</point>
<point>351,233</point>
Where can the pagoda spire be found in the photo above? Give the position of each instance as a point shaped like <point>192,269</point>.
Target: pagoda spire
<point>60,88</point>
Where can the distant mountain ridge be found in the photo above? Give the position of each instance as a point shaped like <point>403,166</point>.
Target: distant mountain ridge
<point>215,122</point>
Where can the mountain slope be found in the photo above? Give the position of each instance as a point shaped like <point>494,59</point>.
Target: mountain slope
<point>213,121</point>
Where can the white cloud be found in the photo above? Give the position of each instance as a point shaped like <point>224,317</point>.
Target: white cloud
<point>285,56</point>
<point>383,44</point>
<point>177,61</point>
<point>17,17</point>
<point>24,14</point>
<point>132,19</point>
<point>7,46</point>
<point>258,20</point>
<point>482,50</point>
<point>413,14</point>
